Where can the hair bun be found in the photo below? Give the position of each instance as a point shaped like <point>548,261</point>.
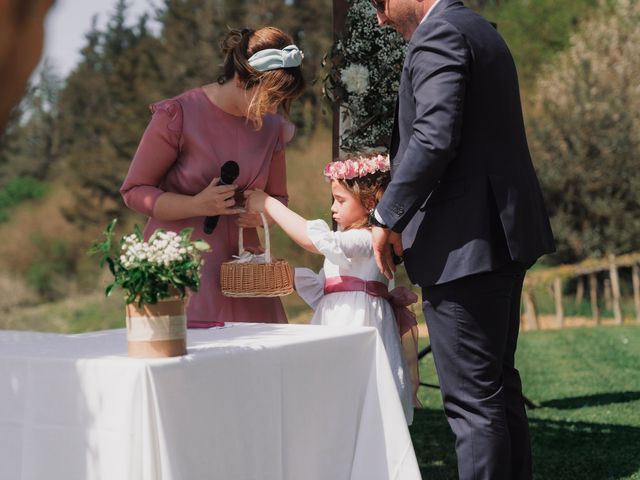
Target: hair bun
<point>231,41</point>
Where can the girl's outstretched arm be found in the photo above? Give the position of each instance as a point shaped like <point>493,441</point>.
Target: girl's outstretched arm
<point>293,224</point>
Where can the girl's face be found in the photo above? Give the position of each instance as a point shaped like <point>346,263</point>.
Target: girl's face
<point>346,208</point>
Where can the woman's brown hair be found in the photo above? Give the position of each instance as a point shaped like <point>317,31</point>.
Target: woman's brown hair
<point>368,189</point>
<point>276,88</point>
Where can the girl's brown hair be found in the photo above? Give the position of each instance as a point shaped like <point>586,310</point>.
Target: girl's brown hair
<point>276,88</point>
<point>368,189</point>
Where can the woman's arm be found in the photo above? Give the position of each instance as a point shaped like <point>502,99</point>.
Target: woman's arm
<point>293,224</point>
<point>277,182</point>
<point>158,150</point>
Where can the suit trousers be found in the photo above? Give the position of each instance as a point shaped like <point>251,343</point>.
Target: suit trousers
<point>473,327</point>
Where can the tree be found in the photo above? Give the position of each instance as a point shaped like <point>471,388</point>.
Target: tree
<point>105,112</point>
<point>189,39</point>
<point>37,151</point>
<point>309,23</point>
<point>585,136</point>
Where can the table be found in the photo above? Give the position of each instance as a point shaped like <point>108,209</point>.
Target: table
<point>248,402</point>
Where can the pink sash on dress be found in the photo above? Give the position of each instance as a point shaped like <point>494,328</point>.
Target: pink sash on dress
<point>399,298</point>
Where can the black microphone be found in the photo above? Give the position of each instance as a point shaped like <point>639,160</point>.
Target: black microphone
<point>228,174</point>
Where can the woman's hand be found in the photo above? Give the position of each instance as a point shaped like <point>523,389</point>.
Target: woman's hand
<point>255,201</point>
<point>217,200</point>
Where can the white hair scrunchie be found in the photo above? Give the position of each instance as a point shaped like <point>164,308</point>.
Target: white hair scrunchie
<point>273,58</point>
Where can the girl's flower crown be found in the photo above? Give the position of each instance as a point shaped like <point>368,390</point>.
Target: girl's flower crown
<point>357,166</point>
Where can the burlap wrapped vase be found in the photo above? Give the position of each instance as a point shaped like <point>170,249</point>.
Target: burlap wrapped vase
<point>157,330</point>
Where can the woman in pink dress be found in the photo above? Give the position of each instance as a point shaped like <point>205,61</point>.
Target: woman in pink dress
<point>174,175</point>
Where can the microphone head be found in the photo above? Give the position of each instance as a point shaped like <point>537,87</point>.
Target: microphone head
<point>229,172</point>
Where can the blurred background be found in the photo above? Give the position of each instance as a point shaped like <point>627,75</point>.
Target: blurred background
<point>70,141</point>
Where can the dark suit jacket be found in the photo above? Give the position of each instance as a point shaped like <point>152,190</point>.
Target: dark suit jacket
<point>463,190</point>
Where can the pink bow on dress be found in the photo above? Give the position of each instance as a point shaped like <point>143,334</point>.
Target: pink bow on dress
<point>400,298</point>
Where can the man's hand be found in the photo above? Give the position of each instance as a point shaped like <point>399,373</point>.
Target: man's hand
<point>383,241</point>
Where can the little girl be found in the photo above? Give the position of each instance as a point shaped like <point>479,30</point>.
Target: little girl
<point>350,290</point>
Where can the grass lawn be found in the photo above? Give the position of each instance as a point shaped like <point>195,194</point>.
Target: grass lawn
<point>586,383</point>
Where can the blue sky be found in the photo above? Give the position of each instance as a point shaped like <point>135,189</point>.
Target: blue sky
<point>69,21</point>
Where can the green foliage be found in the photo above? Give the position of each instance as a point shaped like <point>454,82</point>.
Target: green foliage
<point>535,30</point>
<point>18,190</point>
<point>364,77</point>
<point>191,31</point>
<point>81,314</point>
<point>153,270</point>
<point>30,146</point>
<point>309,22</point>
<point>105,103</point>
<point>53,264</point>
<point>585,137</point>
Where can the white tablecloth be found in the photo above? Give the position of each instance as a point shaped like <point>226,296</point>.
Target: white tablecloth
<point>248,402</point>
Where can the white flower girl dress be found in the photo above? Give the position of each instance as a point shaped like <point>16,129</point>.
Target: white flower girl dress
<point>339,295</point>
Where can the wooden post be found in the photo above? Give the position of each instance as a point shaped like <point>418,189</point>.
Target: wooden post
<point>615,289</point>
<point>606,286</point>
<point>593,293</point>
<point>635,275</point>
<point>340,8</point>
<point>530,312</point>
<point>579,291</point>
<point>557,293</point>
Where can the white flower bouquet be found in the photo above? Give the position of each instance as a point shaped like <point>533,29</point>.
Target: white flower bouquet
<point>150,271</point>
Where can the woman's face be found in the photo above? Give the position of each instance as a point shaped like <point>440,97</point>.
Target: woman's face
<point>346,208</point>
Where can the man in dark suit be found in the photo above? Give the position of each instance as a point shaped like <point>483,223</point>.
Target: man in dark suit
<point>465,210</point>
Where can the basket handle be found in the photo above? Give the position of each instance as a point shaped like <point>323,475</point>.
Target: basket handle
<point>267,240</point>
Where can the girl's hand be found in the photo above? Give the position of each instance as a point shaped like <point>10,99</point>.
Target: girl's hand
<point>249,220</point>
<point>217,200</point>
<point>253,220</point>
<point>255,200</point>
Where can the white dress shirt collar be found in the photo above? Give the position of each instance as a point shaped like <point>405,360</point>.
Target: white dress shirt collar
<point>430,10</point>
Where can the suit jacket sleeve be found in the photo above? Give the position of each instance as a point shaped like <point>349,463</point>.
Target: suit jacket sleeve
<point>438,65</point>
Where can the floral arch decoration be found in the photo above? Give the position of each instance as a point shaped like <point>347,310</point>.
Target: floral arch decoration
<point>362,82</point>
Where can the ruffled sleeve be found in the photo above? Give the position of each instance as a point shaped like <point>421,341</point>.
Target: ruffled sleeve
<point>287,131</point>
<point>277,181</point>
<point>310,286</point>
<point>158,150</point>
<point>339,247</point>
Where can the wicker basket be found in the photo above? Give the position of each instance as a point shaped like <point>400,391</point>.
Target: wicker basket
<point>274,278</point>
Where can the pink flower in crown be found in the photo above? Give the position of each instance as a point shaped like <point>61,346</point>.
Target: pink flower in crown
<point>382,163</point>
<point>365,167</point>
<point>356,167</point>
<point>341,170</point>
<point>351,169</point>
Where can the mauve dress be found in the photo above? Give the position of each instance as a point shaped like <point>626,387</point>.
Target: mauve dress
<point>185,144</point>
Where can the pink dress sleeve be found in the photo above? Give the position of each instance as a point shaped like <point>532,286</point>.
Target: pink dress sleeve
<point>277,182</point>
<point>157,152</point>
